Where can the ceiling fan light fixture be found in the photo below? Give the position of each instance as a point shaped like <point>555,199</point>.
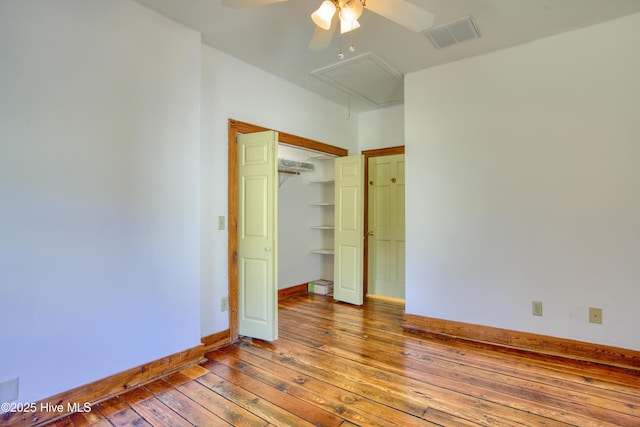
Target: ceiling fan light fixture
<point>322,17</point>
<point>346,26</point>
<point>350,10</point>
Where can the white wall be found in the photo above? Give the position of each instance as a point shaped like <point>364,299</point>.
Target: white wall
<point>522,184</point>
<point>381,128</point>
<point>99,182</point>
<point>234,89</point>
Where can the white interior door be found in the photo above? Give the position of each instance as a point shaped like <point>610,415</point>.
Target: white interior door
<point>349,229</point>
<point>386,232</point>
<point>258,235</point>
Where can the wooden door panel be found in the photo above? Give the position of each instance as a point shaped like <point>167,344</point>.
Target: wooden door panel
<point>349,229</point>
<point>386,226</point>
<point>257,235</point>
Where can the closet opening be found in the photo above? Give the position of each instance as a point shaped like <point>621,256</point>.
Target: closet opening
<point>306,204</point>
<point>305,221</point>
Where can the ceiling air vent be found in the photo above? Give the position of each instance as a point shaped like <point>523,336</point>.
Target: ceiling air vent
<point>453,32</point>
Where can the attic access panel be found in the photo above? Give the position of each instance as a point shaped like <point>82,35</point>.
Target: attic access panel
<point>367,77</point>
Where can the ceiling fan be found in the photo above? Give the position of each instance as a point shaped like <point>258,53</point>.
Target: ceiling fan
<point>347,12</point>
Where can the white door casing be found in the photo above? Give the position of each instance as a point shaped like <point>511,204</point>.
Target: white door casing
<point>349,229</point>
<point>257,235</point>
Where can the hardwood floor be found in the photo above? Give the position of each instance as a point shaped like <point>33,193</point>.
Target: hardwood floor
<point>340,365</point>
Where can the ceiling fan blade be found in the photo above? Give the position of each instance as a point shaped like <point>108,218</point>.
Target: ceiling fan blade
<point>237,4</point>
<point>402,12</point>
<point>321,39</point>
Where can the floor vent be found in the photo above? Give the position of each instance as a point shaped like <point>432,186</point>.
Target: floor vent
<point>453,32</point>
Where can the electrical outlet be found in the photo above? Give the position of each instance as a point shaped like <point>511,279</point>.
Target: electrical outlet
<point>536,308</point>
<point>221,222</point>
<point>224,304</point>
<point>595,315</point>
<point>9,390</point>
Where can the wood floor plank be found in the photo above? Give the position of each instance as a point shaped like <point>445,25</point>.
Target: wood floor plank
<point>158,414</point>
<point>600,377</point>
<point>111,406</point>
<point>127,418</point>
<point>563,363</point>
<point>548,402</point>
<point>158,387</point>
<point>136,395</point>
<point>322,394</point>
<point>603,413</point>
<point>190,410</point>
<point>402,394</point>
<point>338,365</point>
<point>277,395</point>
<point>460,377</point>
<point>193,372</point>
<point>64,422</point>
<point>177,379</point>
<point>252,403</point>
<point>79,420</point>
<point>226,409</point>
<point>92,417</point>
<point>101,423</point>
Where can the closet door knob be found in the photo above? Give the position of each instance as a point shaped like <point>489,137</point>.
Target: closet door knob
<point>267,249</point>
<point>370,233</point>
<point>393,180</point>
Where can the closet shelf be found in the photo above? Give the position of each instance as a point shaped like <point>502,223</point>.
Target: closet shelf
<point>323,227</point>
<point>322,181</point>
<point>321,156</point>
<point>322,251</point>
<point>322,204</point>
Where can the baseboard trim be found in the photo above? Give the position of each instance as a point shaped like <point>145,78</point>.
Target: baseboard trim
<point>535,343</point>
<point>217,340</point>
<point>300,289</point>
<point>386,299</point>
<point>105,388</point>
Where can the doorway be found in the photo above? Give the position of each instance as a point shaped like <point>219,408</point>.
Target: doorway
<point>379,286</point>
<point>234,128</point>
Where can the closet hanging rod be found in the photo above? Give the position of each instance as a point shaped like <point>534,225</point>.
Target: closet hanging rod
<point>294,166</point>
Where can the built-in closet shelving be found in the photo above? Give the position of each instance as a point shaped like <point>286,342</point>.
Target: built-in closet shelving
<point>323,204</point>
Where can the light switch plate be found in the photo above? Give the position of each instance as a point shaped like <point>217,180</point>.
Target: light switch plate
<point>221,223</point>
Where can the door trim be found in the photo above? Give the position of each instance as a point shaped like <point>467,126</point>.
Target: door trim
<point>388,151</point>
<point>234,128</point>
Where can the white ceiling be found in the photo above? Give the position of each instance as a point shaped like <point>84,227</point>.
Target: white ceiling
<point>275,37</point>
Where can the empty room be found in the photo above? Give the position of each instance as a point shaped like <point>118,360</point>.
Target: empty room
<point>329,213</point>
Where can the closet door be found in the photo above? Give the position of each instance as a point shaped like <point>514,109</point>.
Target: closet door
<point>257,235</point>
<point>349,229</point>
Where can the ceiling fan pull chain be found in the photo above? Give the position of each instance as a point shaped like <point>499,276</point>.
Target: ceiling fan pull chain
<point>340,54</point>
<point>352,47</point>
